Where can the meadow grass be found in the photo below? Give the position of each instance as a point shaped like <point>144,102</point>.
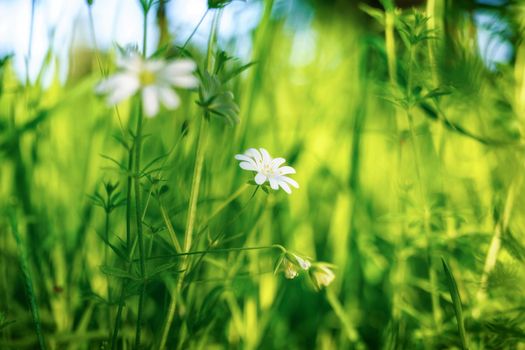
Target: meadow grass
<point>127,232</point>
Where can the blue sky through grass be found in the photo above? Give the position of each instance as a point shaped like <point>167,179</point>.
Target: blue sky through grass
<point>64,24</point>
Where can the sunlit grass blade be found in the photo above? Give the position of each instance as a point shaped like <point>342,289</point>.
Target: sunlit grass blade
<point>456,302</point>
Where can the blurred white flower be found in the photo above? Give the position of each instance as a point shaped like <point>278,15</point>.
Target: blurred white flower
<point>303,263</point>
<point>153,78</point>
<point>290,269</point>
<point>292,264</point>
<point>267,168</point>
<point>321,274</point>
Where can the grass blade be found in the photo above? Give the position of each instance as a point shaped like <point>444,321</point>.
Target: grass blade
<point>456,302</point>
<point>28,281</point>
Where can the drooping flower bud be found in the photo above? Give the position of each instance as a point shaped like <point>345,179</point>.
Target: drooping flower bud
<point>321,275</point>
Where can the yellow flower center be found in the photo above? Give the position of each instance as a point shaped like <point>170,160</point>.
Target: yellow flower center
<point>267,170</point>
<point>146,78</point>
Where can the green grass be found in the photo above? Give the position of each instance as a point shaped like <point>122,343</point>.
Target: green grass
<point>120,231</point>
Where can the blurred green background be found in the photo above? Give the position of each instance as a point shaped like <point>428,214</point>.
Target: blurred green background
<point>387,191</point>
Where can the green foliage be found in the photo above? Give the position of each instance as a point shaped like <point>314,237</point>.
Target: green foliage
<point>216,100</point>
<point>408,146</point>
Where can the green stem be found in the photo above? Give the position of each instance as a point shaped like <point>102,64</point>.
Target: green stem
<point>118,318</point>
<point>495,244</point>
<point>194,193</point>
<point>24,265</point>
<point>138,209</point>
<point>350,330</point>
<point>228,200</point>
<point>94,39</point>
<point>138,214</point>
<point>195,29</point>
<point>129,189</point>
<point>170,228</point>
<point>106,263</point>
<point>30,43</point>
<point>222,250</point>
<point>99,62</point>
<point>417,160</point>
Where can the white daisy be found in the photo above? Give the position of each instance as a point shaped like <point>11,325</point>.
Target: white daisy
<point>267,168</point>
<point>153,78</point>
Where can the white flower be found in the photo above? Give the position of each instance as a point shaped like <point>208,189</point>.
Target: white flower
<point>321,275</point>
<point>292,264</point>
<point>303,263</point>
<point>267,168</point>
<point>290,269</point>
<point>154,78</point>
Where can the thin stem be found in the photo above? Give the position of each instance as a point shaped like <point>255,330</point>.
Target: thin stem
<point>350,330</point>
<point>129,189</point>
<point>145,33</point>
<point>417,160</point>
<point>94,38</point>
<point>130,249</point>
<point>99,62</point>
<point>118,318</point>
<point>170,228</point>
<point>194,193</point>
<point>106,262</point>
<point>228,200</point>
<point>138,215</point>
<point>30,43</point>
<point>195,30</point>
<point>138,204</point>
<point>222,250</point>
<point>495,244</point>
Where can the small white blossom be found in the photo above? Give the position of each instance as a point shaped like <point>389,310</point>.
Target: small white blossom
<point>267,168</point>
<point>153,78</point>
<point>321,275</point>
<point>290,269</point>
<point>292,264</point>
<point>303,263</point>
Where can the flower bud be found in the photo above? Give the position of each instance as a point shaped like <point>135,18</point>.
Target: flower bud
<point>321,275</point>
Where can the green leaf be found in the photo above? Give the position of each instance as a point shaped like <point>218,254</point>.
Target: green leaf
<point>3,321</point>
<point>217,4</point>
<point>216,100</point>
<point>456,302</point>
<point>118,272</point>
<point>164,268</point>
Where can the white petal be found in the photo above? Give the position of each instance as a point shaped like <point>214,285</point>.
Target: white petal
<point>179,74</point>
<point>150,101</point>
<point>265,156</point>
<point>181,66</point>
<point>252,152</point>
<point>248,166</point>
<point>273,183</point>
<point>276,162</point>
<point>118,87</point>
<point>169,98</point>
<point>154,66</point>
<point>133,63</point>
<point>304,263</point>
<point>243,157</point>
<point>285,170</point>
<point>260,179</point>
<point>183,81</point>
<point>285,187</point>
<point>289,180</point>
